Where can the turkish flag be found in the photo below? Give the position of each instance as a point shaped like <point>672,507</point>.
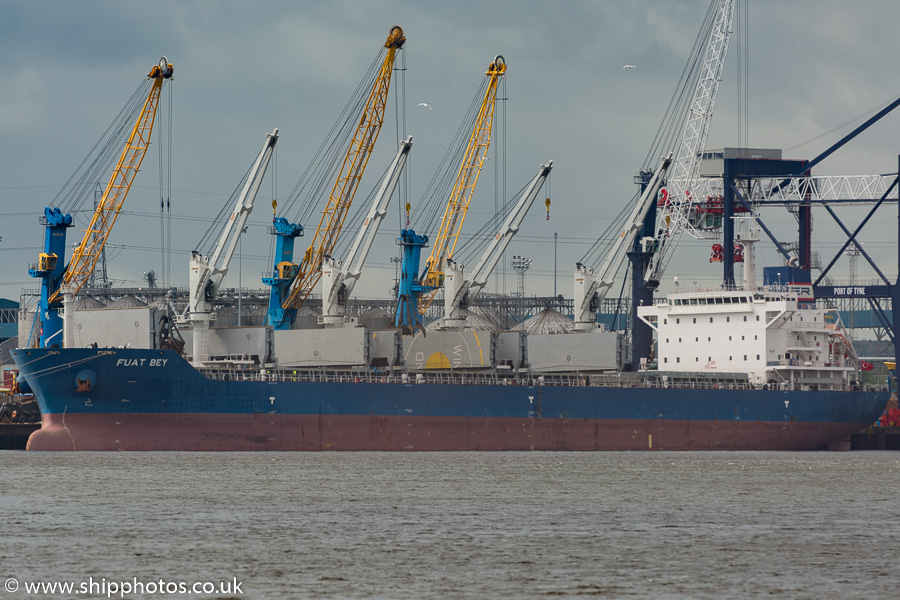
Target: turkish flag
<point>864,366</point>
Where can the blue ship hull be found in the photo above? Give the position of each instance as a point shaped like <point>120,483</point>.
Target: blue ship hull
<point>109,399</point>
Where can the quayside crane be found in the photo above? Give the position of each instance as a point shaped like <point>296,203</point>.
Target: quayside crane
<point>60,282</point>
<point>417,291</point>
<point>664,209</point>
<point>673,216</point>
<point>459,291</point>
<point>339,278</point>
<point>207,271</point>
<point>291,282</point>
<point>591,288</point>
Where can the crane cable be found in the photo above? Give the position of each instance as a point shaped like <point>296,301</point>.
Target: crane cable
<point>357,217</point>
<point>207,243</point>
<point>105,152</point>
<point>400,125</point>
<point>743,69</point>
<point>320,173</point>
<point>599,249</point>
<point>355,220</point>
<point>666,137</point>
<point>329,157</point>
<point>678,109</point>
<point>434,198</point>
<point>165,193</point>
<point>475,243</point>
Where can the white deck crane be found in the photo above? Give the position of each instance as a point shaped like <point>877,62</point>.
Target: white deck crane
<point>207,272</point>
<point>339,278</point>
<point>673,218</point>
<point>591,289</point>
<point>459,291</point>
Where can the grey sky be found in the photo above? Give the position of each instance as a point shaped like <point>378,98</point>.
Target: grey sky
<point>242,68</point>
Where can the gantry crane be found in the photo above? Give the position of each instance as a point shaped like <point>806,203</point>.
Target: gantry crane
<point>459,291</point>
<point>58,281</point>
<point>339,278</point>
<point>208,271</point>
<point>417,291</point>
<point>291,283</point>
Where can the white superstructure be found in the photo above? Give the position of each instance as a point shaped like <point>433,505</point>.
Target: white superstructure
<point>775,335</point>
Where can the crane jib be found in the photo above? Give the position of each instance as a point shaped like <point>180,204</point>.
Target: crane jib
<point>347,182</point>
<point>85,256</point>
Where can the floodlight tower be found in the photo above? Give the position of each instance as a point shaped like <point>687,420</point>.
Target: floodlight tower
<point>520,264</point>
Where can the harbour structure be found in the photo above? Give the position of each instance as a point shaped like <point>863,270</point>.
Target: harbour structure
<point>484,390</point>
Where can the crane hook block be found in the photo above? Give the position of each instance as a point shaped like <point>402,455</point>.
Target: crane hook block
<point>547,202</point>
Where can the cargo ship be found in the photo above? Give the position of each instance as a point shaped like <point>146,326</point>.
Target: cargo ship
<point>735,368</point>
<point>775,374</point>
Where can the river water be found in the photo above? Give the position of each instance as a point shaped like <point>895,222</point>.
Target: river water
<point>453,525</point>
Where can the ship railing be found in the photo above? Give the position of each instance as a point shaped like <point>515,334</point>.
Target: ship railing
<point>357,376</point>
<point>531,380</point>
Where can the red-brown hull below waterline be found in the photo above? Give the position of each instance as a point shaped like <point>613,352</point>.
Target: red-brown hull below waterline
<point>263,432</point>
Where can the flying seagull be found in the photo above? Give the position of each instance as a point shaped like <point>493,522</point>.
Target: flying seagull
<point>630,67</point>
<point>428,106</point>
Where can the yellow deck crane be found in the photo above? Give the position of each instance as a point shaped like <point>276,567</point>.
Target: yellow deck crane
<point>417,291</point>
<point>58,282</point>
<point>292,283</point>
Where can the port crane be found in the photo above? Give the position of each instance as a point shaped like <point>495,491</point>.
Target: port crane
<point>459,291</point>
<point>665,206</point>
<point>591,288</point>
<point>674,214</point>
<point>416,291</point>
<point>292,282</point>
<point>339,278</point>
<point>207,271</point>
<point>59,283</point>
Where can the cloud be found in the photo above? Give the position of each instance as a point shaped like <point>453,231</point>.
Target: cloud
<point>22,101</point>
